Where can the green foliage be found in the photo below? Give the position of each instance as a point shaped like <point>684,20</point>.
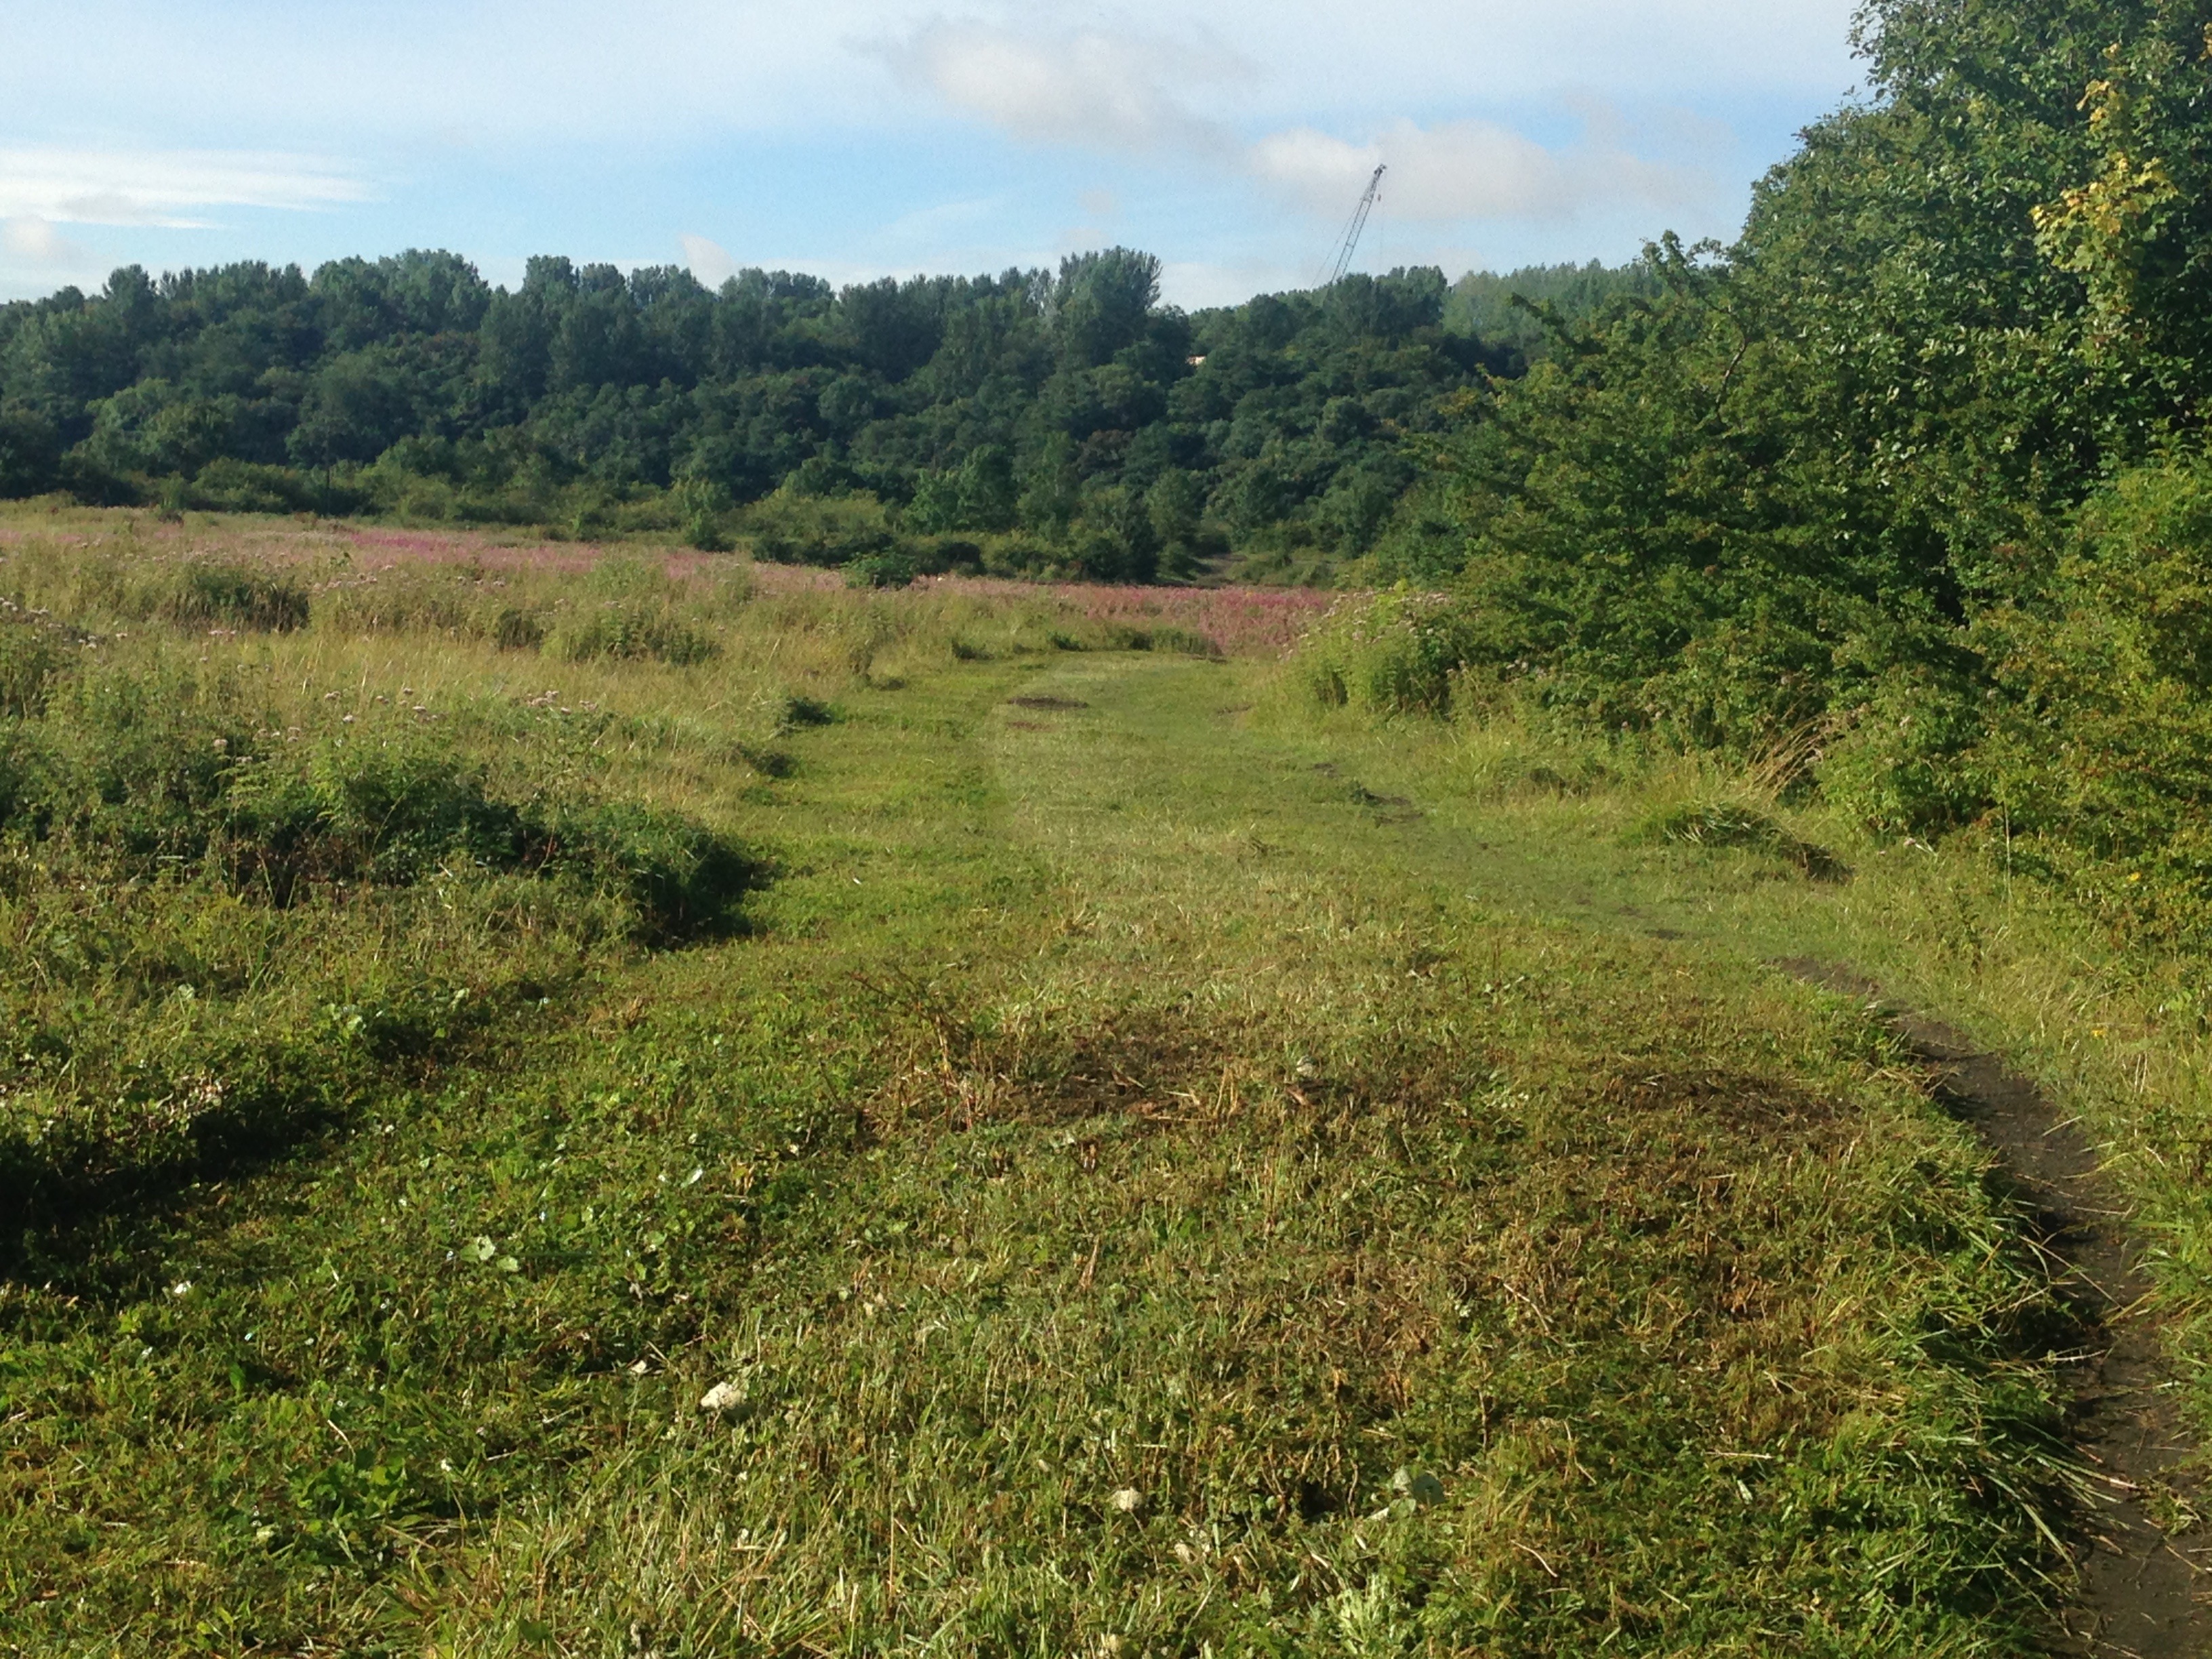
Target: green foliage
<point>2100,754</point>
<point>1909,758</point>
<point>886,569</point>
<point>1399,652</point>
<point>1118,436</point>
<point>1899,486</point>
<point>206,594</point>
<point>637,616</point>
<point>1523,310</point>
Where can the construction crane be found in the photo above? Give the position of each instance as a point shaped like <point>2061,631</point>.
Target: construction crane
<point>1351,243</point>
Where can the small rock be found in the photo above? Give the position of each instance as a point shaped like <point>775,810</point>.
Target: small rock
<point>722,1397</point>
<point>1128,1500</point>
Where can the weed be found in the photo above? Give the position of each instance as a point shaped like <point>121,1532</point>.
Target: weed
<point>207,593</point>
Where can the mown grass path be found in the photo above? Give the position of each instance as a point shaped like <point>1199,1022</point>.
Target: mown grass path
<point>1152,1181</point>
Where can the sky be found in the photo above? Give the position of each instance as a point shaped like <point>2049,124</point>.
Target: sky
<point>858,138</point>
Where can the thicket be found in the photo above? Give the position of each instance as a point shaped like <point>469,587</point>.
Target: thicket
<point>1033,422</point>
<point>1909,484</point>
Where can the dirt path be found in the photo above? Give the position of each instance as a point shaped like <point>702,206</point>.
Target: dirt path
<point>2144,1590</point>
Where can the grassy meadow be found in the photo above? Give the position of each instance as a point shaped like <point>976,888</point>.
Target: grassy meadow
<point>575,1105</point>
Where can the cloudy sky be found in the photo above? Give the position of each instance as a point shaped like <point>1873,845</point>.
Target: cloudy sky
<point>855,137</point>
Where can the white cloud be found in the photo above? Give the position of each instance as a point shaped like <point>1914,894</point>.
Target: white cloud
<point>1458,171</point>
<point>168,188</point>
<point>1194,283</point>
<point>34,241</point>
<point>517,69</point>
<point>931,225</point>
<point>710,262</point>
<point>1099,91</point>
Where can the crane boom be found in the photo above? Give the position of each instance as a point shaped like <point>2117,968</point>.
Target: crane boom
<point>1351,242</point>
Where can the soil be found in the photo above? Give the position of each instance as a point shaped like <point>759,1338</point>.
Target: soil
<point>2145,1585</point>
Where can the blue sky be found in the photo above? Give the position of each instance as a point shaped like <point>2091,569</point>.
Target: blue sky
<point>859,138</point>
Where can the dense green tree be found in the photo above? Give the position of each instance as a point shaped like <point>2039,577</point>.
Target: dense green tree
<point>1759,484</point>
<point>1071,408</point>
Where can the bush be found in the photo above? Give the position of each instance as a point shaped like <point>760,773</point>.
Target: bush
<point>887,569</point>
<point>1905,760</point>
<point>2099,751</point>
<point>1398,652</point>
<point>227,485</point>
<point>789,528</point>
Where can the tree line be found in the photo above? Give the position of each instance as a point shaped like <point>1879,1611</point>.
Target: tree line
<point>1066,418</point>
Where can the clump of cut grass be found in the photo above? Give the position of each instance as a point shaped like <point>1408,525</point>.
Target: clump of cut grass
<point>635,612</point>
<point>222,594</point>
<point>1740,825</point>
<point>33,655</point>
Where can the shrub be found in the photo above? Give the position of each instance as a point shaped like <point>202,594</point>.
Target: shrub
<point>2099,751</point>
<point>229,485</point>
<point>885,569</point>
<point>1905,760</point>
<point>1396,654</point>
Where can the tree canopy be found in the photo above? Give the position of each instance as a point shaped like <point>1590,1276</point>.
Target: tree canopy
<point>1070,408</point>
<point>1908,479</point>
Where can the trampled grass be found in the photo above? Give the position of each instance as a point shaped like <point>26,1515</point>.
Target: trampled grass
<point>1141,1174</point>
